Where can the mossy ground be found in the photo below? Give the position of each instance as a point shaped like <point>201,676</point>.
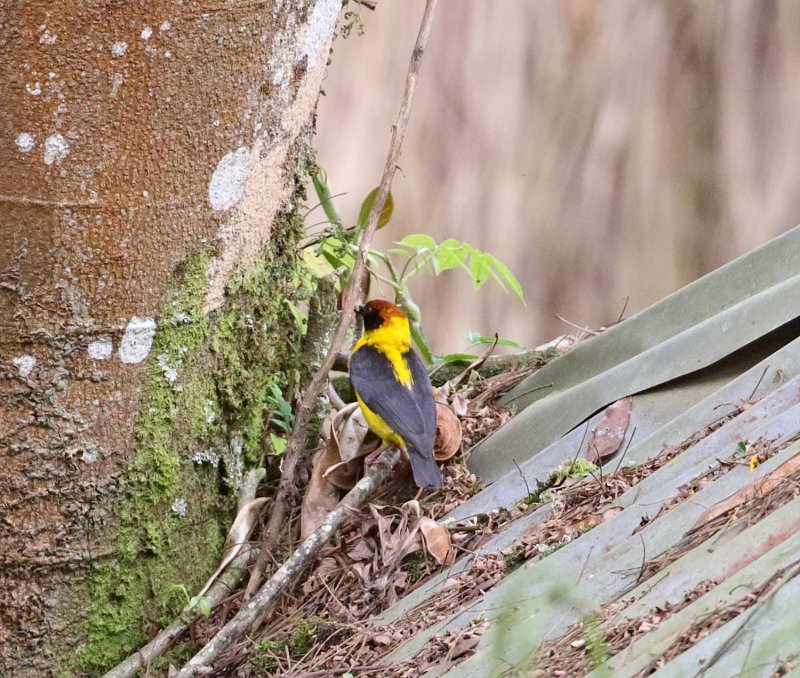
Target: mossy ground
<point>306,634</point>
<point>201,423</point>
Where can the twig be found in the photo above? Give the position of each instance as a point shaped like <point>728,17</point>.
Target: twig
<point>333,396</point>
<point>622,312</point>
<point>643,567</point>
<point>522,475</point>
<point>577,327</point>
<point>296,447</point>
<point>249,617</point>
<point>329,672</point>
<point>625,451</point>
<point>477,363</point>
<point>758,383</point>
<point>216,594</point>
<point>779,579</point>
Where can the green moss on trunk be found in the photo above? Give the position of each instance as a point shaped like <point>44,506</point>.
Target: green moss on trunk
<point>201,424</point>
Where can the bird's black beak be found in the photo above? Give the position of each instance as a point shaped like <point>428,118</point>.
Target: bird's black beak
<point>359,309</point>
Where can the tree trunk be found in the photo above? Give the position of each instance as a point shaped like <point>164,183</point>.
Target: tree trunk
<point>152,160</point>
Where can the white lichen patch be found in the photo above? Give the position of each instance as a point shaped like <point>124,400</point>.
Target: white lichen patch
<point>209,411</point>
<point>320,27</point>
<point>206,457</point>
<point>100,349</point>
<point>56,148</point>
<point>234,464</point>
<point>119,48</point>
<point>116,83</point>
<point>146,33</point>
<point>89,456</point>
<point>34,88</point>
<point>24,364</point>
<point>226,187</point>
<point>48,37</point>
<point>180,507</point>
<point>242,238</point>
<point>165,25</point>
<point>170,370</point>
<point>25,142</point>
<point>137,340</point>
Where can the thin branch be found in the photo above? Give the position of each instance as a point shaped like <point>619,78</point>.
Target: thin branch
<point>624,308</point>
<point>249,617</point>
<point>577,327</point>
<point>522,475</point>
<point>334,398</point>
<point>296,447</point>
<point>476,364</point>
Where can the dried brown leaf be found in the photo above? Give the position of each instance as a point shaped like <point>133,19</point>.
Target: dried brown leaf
<point>321,497</point>
<point>349,431</point>
<point>238,535</point>
<point>610,432</point>
<point>448,433</point>
<point>437,541</point>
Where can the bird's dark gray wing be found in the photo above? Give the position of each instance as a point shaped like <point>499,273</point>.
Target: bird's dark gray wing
<point>410,412</point>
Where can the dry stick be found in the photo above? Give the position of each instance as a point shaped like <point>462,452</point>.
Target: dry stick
<point>296,446</point>
<point>248,617</point>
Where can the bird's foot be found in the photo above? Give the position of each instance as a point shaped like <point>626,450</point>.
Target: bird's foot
<point>375,457</point>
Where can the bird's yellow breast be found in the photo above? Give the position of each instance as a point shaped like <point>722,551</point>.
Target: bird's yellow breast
<point>393,340</point>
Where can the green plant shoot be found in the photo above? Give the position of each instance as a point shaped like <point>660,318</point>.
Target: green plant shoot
<point>336,247</point>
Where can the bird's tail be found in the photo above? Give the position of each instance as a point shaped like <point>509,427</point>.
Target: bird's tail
<point>426,472</point>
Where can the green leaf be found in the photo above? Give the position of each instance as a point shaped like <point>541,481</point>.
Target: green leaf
<point>300,320</point>
<point>319,266</point>
<point>478,269</point>
<point>475,338</point>
<point>202,603</point>
<point>419,242</point>
<point>459,358</point>
<point>450,254</point>
<point>335,252</point>
<point>419,340</point>
<point>504,272</point>
<point>323,191</point>
<point>278,443</point>
<point>366,206</point>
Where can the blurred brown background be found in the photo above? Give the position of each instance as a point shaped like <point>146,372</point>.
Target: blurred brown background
<point>601,150</point>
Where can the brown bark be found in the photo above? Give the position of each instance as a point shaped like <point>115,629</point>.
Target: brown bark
<point>134,137</point>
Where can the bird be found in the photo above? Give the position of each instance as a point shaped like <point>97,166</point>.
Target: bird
<point>393,388</point>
